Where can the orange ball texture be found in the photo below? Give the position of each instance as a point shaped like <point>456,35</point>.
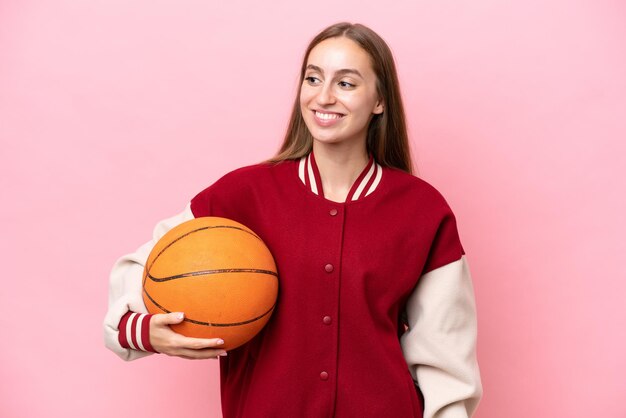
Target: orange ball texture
<point>219,273</point>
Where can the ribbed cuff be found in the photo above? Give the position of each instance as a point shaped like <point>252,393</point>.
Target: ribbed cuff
<point>134,332</point>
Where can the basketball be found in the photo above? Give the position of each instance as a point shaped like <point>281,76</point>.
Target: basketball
<point>219,273</point>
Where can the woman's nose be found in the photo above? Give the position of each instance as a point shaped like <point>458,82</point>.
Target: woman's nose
<point>325,95</point>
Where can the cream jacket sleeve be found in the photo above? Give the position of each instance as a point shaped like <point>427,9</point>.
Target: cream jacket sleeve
<point>125,288</point>
<point>440,343</point>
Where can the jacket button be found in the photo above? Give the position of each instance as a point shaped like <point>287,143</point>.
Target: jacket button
<point>329,268</point>
<point>327,320</point>
<point>333,212</point>
<point>324,376</point>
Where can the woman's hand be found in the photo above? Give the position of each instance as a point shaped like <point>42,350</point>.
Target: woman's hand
<point>166,341</point>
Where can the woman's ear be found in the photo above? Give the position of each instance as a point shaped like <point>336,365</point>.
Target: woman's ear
<point>380,107</point>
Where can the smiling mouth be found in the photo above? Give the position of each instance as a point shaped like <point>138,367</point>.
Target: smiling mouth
<point>328,116</point>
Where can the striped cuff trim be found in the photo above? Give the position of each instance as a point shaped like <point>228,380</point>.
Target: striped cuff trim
<point>134,332</point>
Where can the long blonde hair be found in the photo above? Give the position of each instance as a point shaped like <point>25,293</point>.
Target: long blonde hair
<point>387,138</point>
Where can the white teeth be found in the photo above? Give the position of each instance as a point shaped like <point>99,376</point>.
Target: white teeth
<point>327,115</point>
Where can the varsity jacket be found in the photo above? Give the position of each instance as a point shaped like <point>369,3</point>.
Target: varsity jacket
<point>375,316</point>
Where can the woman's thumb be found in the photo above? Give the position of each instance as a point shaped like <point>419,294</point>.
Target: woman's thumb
<point>174,318</point>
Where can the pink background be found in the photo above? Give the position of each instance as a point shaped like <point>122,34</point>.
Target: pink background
<point>113,114</point>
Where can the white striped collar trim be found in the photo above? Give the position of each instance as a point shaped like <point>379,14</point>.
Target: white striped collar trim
<point>365,184</point>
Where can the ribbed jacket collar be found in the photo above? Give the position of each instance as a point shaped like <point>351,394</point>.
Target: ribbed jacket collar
<point>365,184</point>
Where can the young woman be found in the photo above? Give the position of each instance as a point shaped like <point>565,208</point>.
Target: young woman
<point>376,313</point>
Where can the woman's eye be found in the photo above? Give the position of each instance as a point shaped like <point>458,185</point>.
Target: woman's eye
<point>345,84</point>
<point>311,79</point>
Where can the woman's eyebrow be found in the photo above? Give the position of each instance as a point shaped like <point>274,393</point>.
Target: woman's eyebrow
<point>341,72</point>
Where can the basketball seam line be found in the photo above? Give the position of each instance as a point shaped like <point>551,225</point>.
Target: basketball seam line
<point>193,321</point>
<point>196,230</point>
<point>216,271</point>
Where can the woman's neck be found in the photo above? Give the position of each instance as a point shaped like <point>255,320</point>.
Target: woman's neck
<point>339,166</point>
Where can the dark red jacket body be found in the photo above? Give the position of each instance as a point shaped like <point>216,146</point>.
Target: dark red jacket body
<point>346,270</point>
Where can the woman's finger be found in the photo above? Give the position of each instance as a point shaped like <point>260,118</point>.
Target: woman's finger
<point>197,343</point>
<point>206,353</point>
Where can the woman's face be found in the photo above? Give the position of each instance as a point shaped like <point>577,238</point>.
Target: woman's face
<point>338,96</point>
